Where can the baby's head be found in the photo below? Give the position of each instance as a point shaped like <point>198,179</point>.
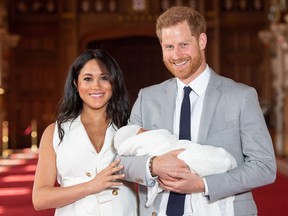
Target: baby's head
<point>126,132</point>
<point>141,130</point>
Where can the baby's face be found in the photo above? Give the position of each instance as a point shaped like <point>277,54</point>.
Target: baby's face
<point>141,130</point>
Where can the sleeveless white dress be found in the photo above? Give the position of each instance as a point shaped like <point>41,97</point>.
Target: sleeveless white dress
<point>78,162</point>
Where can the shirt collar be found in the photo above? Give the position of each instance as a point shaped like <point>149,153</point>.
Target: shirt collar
<point>198,85</point>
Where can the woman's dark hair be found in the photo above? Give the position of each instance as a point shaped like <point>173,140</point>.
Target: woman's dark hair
<point>71,105</point>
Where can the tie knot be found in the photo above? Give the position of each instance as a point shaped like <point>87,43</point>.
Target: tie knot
<point>187,90</point>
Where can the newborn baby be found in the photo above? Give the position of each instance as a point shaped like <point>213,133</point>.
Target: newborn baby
<point>202,159</point>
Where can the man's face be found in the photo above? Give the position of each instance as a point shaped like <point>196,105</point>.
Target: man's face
<point>183,54</point>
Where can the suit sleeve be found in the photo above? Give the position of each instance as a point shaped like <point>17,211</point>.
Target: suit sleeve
<point>135,166</point>
<point>258,166</point>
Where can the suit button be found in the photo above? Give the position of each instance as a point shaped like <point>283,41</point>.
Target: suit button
<point>115,192</point>
<point>88,174</point>
<point>138,180</point>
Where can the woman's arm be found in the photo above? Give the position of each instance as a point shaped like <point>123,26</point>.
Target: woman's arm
<point>47,195</point>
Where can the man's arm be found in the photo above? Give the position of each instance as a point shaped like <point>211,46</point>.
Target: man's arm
<point>256,149</point>
<point>134,168</point>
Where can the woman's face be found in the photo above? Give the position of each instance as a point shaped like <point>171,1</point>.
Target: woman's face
<point>94,86</point>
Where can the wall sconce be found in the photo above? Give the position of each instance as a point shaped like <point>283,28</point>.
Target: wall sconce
<point>2,91</point>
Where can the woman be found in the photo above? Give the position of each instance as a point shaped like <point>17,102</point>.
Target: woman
<point>78,149</point>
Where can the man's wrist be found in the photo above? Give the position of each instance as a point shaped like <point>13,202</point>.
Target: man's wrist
<point>150,165</point>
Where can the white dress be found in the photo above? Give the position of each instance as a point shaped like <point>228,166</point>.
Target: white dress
<point>78,162</point>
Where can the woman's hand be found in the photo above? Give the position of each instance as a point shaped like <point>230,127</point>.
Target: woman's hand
<point>107,178</point>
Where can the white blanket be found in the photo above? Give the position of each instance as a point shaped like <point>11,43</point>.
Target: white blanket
<point>202,159</point>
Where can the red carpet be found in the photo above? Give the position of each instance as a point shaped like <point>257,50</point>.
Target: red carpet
<point>16,181</point>
<point>17,174</point>
<point>272,200</point>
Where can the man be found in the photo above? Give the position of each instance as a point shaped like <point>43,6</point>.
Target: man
<point>223,114</point>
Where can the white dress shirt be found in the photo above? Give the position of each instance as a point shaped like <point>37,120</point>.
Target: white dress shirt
<point>196,99</point>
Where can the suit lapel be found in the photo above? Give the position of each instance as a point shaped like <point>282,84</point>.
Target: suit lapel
<point>110,133</point>
<point>211,99</point>
<point>168,106</point>
<point>78,135</point>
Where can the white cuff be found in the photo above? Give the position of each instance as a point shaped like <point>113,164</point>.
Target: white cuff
<point>206,192</point>
<point>150,180</point>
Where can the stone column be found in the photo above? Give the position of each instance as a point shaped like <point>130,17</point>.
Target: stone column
<point>276,38</point>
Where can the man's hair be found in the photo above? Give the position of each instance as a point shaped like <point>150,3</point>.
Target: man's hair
<point>180,14</point>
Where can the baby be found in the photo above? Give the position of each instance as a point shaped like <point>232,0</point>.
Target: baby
<point>201,159</point>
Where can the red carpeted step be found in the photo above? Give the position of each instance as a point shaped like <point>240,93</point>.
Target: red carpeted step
<point>17,175</point>
<point>273,199</point>
<point>16,182</point>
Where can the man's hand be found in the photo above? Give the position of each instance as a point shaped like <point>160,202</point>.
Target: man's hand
<point>174,175</point>
<point>168,163</point>
<point>187,182</point>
